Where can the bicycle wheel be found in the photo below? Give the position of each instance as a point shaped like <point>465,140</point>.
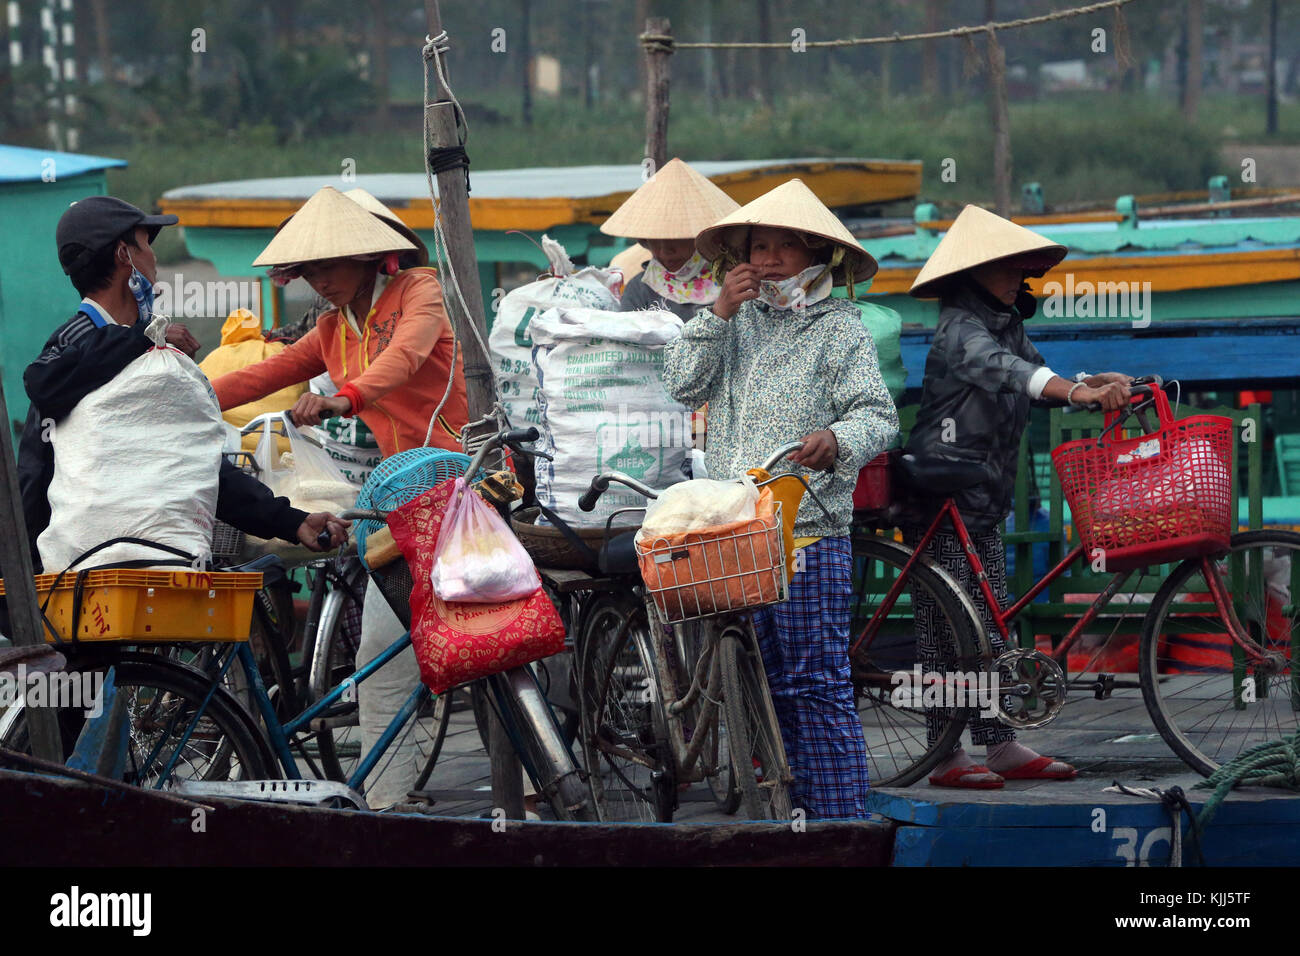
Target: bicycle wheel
<point>624,727</point>
<point>338,739</point>
<point>757,754</point>
<point>900,750</point>
<point>697,650</point>
<point>1211,699</point>
<point>537,737</point>
<point>162,699</point>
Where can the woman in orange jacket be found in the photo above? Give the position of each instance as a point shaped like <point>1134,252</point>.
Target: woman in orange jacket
<point>388,345</point>
<point>387,342</point>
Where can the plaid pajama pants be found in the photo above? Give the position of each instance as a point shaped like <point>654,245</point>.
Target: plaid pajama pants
<point>933,639</point>
<point>805,647</point>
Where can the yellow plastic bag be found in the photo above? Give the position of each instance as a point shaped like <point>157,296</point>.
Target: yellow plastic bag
<point>242,345</point>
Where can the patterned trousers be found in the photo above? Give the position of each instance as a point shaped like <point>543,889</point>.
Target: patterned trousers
<point>934,642</point>
<point>805,647</point>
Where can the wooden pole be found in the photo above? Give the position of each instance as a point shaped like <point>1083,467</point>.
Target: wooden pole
<point>1271,122</point>
<point>25,625</point>
<point>656,101</point>
<point>527,51</point>
<point>1001,126</point>
<point>1192,78</point>
<point>453,209</point>
<point>480,389</point>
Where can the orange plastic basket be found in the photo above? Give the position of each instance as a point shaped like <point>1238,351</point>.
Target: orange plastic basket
<point>143,606</point>
<point>719,570</point>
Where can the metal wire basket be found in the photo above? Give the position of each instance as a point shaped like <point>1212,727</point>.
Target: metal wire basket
<point>721,570</point>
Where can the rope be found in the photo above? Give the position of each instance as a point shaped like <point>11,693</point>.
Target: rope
<point>433,50</point>
<point>1174,800</point>
<point>664,43</point>
<point>1272,764</point>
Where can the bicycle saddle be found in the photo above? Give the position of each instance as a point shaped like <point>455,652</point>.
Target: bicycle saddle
<point>619,555</point>
<point>939,475</point>
<point>270,566</point>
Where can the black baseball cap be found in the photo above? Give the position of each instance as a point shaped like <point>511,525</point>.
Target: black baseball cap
<point>92,223</point>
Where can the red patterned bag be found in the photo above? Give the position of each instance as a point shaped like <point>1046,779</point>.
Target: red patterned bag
<point>457,643</point>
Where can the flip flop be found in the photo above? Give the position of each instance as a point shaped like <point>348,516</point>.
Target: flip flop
<point>982,778</point>
<point>1036,769</point>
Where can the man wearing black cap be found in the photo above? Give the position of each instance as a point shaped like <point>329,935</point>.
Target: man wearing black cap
<point>104,247</point>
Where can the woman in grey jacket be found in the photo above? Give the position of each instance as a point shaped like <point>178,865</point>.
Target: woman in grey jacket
<point>778,360</point>
<point>981,375</point>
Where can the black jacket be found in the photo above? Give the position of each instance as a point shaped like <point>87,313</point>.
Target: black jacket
<point>77,359</point>
<point>975,400</point>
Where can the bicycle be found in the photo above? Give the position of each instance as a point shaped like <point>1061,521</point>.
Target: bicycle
<point>1238,606</point>
<point>655,672</point>
<point>201,708</point>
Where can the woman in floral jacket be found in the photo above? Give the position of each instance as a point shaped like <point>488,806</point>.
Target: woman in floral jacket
<point>778,360</point>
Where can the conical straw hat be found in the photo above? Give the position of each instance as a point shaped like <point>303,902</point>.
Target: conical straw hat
<point>368,202</point>
<point>978,236</point>
<point>674,203</point>
<point>791,205</point>
<point>330,226</point>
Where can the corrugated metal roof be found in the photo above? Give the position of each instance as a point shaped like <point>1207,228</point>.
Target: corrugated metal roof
<point>541,182</point>
<point>1155,235</point>
<point>19,164</point>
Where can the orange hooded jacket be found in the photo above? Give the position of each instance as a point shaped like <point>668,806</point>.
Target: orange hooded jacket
<point>394,375</point>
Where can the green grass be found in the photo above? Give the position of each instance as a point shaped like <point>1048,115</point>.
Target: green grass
<point>1079,147</point>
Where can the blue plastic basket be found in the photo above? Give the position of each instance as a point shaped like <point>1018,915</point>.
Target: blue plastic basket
<point>404,476</point>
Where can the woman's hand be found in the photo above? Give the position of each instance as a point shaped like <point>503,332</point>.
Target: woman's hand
<point>740,285</point>
<point>313,409</point>
<point>1110,397</point>
<point>818,452</point>
<point>322,521</point>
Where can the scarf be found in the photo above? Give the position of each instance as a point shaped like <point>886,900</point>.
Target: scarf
<point>804,288</point>
<point>690,283</point>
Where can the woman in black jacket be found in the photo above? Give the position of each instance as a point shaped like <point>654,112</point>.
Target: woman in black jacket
<point>981,375</point>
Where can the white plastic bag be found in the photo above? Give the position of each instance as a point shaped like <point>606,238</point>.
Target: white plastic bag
<point>604,407</point>
<point>138,457</point>
<point>478,559</point>
<point>511,340</point>
<point>306,474</point>
<point>700,503</point>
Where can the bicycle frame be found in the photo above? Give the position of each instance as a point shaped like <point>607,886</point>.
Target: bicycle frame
<point>1002,617</point>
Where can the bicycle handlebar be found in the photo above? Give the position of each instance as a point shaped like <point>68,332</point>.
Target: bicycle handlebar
<point>600,484</point>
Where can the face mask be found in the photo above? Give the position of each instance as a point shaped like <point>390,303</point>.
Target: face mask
<point>690,283</point>
<point>801,289</point>
<point>142,289</point>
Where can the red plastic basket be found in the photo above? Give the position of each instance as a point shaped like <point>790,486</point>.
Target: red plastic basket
<point>1154,498</point>
<point>873,491</point>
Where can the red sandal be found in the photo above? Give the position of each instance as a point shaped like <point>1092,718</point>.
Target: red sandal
<point>983,778</point>
<point>1036,770</point>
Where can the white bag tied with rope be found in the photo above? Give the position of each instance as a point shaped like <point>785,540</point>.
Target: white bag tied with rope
<point>604,407</point>
<point>138,457</point>
<point>512,343</point>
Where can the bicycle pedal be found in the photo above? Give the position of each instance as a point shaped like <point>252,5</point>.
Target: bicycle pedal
<point>1105,684</point>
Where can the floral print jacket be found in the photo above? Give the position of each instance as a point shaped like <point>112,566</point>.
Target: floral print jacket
<point>772,376</point>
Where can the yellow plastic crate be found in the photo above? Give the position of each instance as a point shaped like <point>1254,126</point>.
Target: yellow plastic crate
<point>138,606</point>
